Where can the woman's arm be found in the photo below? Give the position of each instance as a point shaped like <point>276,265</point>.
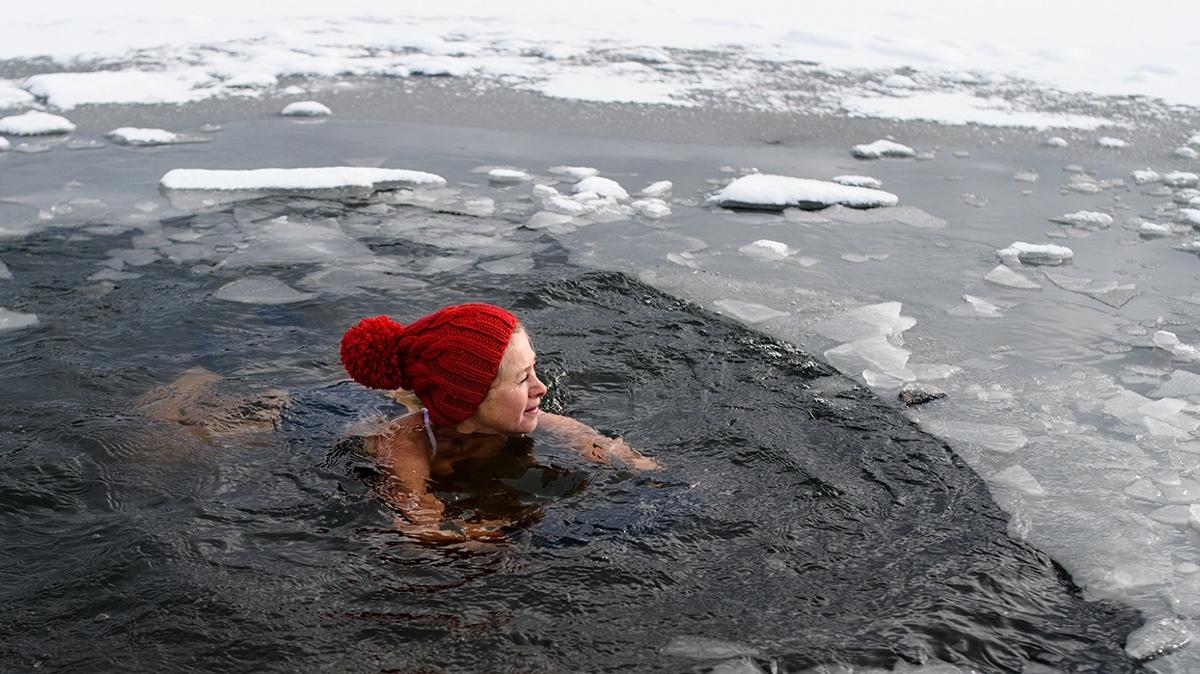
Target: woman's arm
<point>407,489</point>
<point>592,444</point>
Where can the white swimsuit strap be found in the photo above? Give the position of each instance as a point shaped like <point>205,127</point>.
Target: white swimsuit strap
<point>429,432</point>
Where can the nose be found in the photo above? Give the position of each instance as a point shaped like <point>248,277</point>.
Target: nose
<point>538,389</point>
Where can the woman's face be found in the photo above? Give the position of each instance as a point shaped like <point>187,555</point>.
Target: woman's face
<point>511,405</point>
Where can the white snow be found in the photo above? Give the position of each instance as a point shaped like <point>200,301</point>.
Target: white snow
<point>1037,253</point>
<point>898,81</point>
<point>12,97</point>
<point>605,187</point>
<point>128,135</point>
<point>658,189</point>
<point>66,90</point>
<point>295,179</point>
<point>574,172</point>
<point>1145,176</point>
<point>959,108</point>
<point>1174,179</point>
<point>1169,341</point>
<point>15,320</point>
<point>761,190</point>
<point>306,109</point>
<point>35,123</point>
<point>1056,141</point>
<point>1152,229</point>
<point>501,175</point>
<point>766,249</point>
<point>1110,143</point>
<point>858,181</point>
<point>5,272</point>
<point>1085,219</point>
<point>882,148</point>
<point>4,144</point>
<point>1185,152</point>
<point>1190,216</point>
<point>654,209</point>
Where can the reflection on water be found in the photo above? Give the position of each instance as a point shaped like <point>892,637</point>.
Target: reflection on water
<point>800,521</point>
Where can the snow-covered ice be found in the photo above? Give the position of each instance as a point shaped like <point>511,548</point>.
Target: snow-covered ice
<point>774,192</point>
<point>575,173</point>
<point>658,189</point>
<point>35,123</point>
<point>128,135</point>
<point>332,177</point>
<point>1057,141</point>
<point>1037,253</point>
<point>504,176</point>
<point>67,90</point>
<point>605,187</point>
<point>1181,179</point>
<point>959,108</point>
<point>858,181</point>
<point>1111,143</point>
<point>766,249</point>
<point>1086,219</point>
<point>306,109</point>
<point>882,148</point>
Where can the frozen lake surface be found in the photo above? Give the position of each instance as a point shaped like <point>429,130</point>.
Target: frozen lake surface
<point>1042,279</point>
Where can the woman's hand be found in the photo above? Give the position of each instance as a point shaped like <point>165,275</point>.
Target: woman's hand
<point>604,449</point>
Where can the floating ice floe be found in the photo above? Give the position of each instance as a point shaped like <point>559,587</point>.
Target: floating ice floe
<point>1085,219</point>
<point>1026,176</point>
<point>1145,176</point>
<point>773,192</point>
<point>508,176</point>
<point>995,437</point>
<point>35,123</point>
<point>1181,384</point>
<point>5,272</point>
<point>1185,152</point>
<point>858,181</point>
<point>658,189</point>
<point>1169,342</point>
<point>306,109</point>
<point>605,187</point>
<point>976,307</point>
<point>1190,216</point>
<point>1113,294</point>
<point>1037,253</point>
<point>748,312</point>
<point>1152,230</point>
<point>190,188</point>
<point>128,135</point>
<point>654,209</point>
<point>1005,276</point>
<point>1110,143</point>
<point>261,290</point>
<point>872,335</point>
<point>1158,638</point>
<point>1174,179</point>
<point>15,320</point>
<point>12,97</point>
<point>574,172</point>
<point>882,148</point>
<point>5,146</point>
<point>1056,141</point>
<point>766,249</point>
<point>1020,479</point>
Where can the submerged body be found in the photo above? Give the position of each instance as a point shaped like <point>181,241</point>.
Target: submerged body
<point>502,398</point>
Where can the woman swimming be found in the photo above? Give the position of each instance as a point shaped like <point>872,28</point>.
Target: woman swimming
<point>473,371</point>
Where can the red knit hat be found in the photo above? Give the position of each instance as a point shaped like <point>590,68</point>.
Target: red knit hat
<point>448,358</point>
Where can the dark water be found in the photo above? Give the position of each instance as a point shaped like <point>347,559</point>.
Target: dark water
<point>799,522</point>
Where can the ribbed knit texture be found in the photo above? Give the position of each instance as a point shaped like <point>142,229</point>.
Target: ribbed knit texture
<point>448,358</point>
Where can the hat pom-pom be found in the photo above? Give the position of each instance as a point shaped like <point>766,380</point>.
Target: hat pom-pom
<point>370,352</point>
